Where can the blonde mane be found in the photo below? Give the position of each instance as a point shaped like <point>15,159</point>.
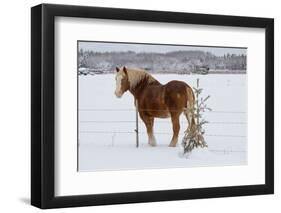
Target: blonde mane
<point>136,75</point>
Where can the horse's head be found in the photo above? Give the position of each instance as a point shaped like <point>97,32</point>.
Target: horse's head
<point>122,81</point>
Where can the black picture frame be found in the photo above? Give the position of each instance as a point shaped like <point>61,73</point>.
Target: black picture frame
<point>43,102</point>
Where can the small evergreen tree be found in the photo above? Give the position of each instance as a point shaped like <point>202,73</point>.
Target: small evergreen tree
<point>195,137</point>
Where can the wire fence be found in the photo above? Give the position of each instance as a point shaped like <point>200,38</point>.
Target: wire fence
<point>183,122</point>
<point>132,109</point>
<point>157,133</point>
<point>137,131</point>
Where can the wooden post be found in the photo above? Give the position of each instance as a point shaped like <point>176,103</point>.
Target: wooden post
<point>197,109</point>
<point>137,125</point>
<point>197,102</point>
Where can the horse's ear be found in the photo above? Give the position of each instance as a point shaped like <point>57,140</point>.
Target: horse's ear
<point>117,69</point>
<point>125,70</point>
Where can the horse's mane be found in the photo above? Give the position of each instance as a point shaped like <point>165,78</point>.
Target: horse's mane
<point>135,76</point>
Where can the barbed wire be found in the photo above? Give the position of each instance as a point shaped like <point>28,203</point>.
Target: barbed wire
<point>183,122</point>
<point>132,109</point>
<point>226,151</point>
<point>156,133</point>
<point>223,151</point>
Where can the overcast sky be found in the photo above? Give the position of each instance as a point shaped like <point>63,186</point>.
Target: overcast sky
<point>122,47</point>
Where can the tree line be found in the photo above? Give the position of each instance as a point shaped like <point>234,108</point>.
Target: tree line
<point>171,62</point>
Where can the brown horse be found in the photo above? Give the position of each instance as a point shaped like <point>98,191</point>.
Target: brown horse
<point>155,100</point>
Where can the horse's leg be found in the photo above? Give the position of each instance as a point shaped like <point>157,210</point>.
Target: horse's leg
<point>176,128</point>
<point>190,119</point>
<point>189,110</point>
<point>151,138</point>
<point>149,121</point>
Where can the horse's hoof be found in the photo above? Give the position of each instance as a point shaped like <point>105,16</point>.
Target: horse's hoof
<point>152,143</point>
<point>172,145</point>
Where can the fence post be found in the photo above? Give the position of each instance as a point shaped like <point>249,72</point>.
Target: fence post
<point>197,102</point>
<point>137,124</point>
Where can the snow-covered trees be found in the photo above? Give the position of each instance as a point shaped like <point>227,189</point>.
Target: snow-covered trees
<point>182,62</point>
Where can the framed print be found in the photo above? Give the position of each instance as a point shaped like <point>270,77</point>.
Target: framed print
<point>140,106</point>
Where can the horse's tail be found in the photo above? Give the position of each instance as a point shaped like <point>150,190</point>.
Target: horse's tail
<point>189,111</point>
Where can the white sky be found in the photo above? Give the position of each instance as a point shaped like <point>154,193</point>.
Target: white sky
<point>122,47</point>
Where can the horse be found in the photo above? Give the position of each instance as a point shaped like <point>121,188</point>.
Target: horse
<point>155,100</point>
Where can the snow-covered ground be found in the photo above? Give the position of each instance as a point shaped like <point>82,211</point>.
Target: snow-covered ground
<point>107,140</point>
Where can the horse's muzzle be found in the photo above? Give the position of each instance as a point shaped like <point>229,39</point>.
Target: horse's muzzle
<point>118,95</point>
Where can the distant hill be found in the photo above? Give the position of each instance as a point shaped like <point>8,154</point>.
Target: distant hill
<point>182,62</point>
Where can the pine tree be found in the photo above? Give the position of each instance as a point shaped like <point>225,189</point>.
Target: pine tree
<point>195,137</point>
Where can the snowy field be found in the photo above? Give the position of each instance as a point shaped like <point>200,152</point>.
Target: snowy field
<point>107,140</point>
